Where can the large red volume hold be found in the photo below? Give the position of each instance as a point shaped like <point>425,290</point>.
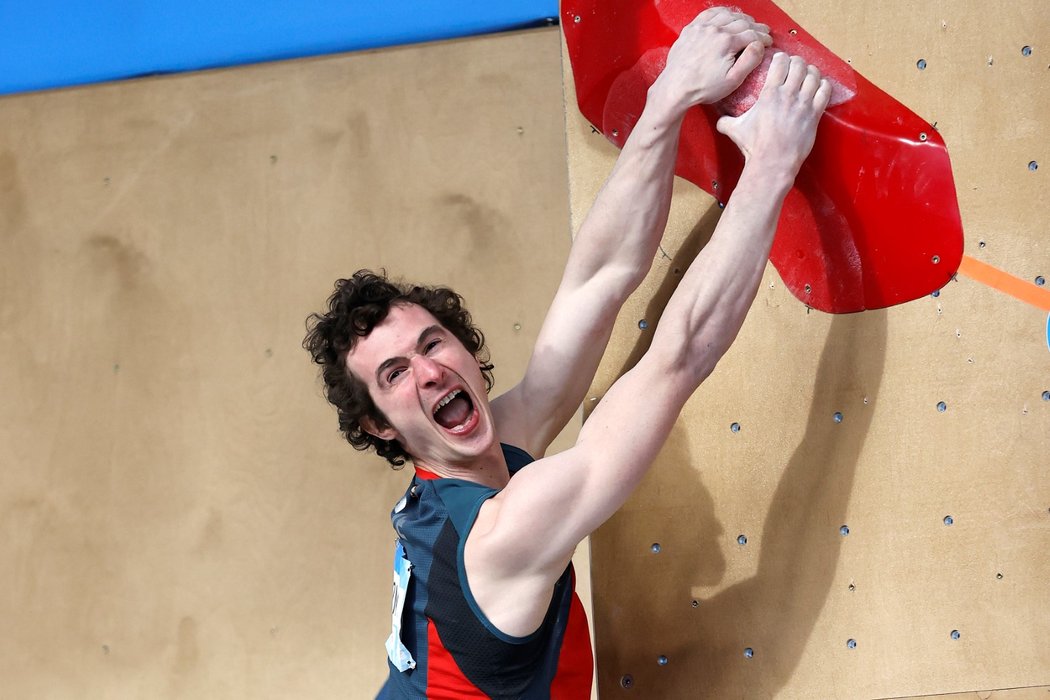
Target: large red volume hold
<point>873,219</point>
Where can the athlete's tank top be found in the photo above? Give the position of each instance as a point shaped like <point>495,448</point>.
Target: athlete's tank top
<point>442,640</point>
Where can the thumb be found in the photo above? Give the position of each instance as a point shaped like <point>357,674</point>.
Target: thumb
<point>750,59</point>
<point>725,125</point>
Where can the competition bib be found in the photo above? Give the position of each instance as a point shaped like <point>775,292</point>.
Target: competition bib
<point>395,650</point>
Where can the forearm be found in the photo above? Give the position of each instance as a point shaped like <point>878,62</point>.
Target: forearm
<point>708,308</point>
<point>622,231</point>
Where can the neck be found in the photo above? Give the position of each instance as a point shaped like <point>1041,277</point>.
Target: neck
<point>489,469</point>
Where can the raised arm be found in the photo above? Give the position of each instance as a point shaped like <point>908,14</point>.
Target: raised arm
<point>617,242</point>
<point>533,525</point>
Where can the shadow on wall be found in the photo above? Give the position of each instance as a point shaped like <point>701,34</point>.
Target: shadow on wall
<point>774,611</point>
<point>646,601</point>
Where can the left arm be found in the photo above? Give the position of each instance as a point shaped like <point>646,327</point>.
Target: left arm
<point>618,240</point>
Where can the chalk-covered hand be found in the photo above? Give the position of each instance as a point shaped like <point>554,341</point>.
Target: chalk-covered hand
<point>712,56</point>
<point>779,130</point>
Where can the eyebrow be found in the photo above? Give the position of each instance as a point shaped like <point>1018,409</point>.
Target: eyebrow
<point>394,360</point>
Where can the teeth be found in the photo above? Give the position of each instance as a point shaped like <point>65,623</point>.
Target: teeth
<point>444,402</point>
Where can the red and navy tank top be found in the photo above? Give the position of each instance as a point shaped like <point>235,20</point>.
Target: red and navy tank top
<point>448,647</point>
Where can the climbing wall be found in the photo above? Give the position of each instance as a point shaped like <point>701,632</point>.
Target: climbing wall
<point>179,517</point>
<point>856,505</point>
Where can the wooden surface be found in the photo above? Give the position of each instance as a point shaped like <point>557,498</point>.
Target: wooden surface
<point>179,517</point>
<point>895,467</point>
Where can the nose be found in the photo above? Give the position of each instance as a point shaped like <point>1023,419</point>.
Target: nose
<point>426,371</point>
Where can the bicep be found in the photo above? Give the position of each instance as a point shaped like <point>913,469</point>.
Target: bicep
<point>561,368</point>
<point>550,506</point>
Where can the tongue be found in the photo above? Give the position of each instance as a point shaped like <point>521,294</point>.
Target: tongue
<point>453,413</point>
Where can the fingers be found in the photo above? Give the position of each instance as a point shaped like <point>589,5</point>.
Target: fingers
<point>810,83</point>
<point>794,75</point>
<point>823,96</point>
<point>719,16</point>
<point>734,23</point>
<point>778,71</point>
<point>797,70</point>
<point>748,60</point>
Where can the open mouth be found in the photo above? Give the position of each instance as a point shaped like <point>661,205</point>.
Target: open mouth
<point>455,411</point>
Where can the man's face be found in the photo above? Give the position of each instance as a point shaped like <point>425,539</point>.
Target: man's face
<point>428,385</point>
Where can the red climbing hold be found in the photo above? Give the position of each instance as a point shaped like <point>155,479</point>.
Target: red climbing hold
<point>873,219</point>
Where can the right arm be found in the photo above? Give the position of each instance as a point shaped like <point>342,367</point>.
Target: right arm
<point>560,500</point>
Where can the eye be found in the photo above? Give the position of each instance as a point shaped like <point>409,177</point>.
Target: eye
<point>394,375</point>
<point>431,345</point>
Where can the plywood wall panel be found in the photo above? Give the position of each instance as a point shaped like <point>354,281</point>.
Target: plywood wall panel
<point>179,517</point>
<point>895,466</point>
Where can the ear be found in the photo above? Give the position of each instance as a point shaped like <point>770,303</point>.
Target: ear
<point>379,430</point>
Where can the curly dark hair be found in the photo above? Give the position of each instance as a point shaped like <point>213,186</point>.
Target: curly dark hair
<point>357,306</point>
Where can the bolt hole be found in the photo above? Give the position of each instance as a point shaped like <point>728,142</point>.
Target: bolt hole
<point>643,324</point>
<point>941,407</point>
<point>655,547</point>
<point>741,540</point>
<point>949,520</point>
<point>749,653</point>
<point>735,427</point>
<point>576,19</point>
<point>923,136</point>
<point>844,530</point>
<point>626,681</point>
<point>837,417</point>
<point>1033,165</point>
<point>956,634</point>
<point>808,289</point>
<point>921,64</point>
<point>851,644</point>
<point>1026,50</point>
<point>1040,280</point>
